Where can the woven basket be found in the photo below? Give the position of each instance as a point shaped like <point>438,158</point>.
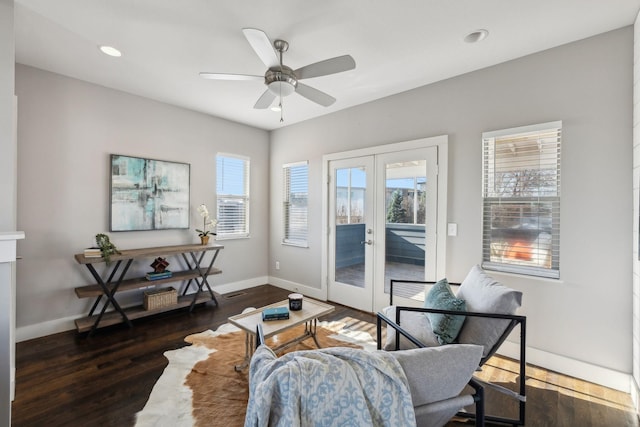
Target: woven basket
<point>159,298</point>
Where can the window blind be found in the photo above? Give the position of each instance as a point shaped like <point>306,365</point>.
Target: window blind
<point>295,203</point>
<point>521,200</point>
<point>232,196</point>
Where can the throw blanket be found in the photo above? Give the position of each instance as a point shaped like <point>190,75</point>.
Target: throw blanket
<point>328,387</point>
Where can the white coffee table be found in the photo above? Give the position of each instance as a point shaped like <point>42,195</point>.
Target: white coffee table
<point>248,322</point>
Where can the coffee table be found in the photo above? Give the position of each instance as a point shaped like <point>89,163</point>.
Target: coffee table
<point>249,321</point>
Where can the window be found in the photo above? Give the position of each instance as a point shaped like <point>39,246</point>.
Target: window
<point>521,197</point>
<point>295,203</point>
<point>232,188</point>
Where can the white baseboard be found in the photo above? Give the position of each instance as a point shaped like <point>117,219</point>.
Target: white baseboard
<point>55,326</point>
<point>575,368</point>
<point>309,291</point>
<point>50,327</point>
<point>241,285</point>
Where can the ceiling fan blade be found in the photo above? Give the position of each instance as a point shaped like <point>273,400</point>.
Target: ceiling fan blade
<point>262,45</point>
<point>265,100</point>
<point>315,95</point>
<point>223,76</point>
<point>326,67</point>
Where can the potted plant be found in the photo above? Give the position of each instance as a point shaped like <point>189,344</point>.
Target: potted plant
<point>207,223</point>
<point>106,247</point>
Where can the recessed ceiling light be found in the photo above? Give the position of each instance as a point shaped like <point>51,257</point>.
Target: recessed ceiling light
<point>476,36</point>
<point>111,51</point>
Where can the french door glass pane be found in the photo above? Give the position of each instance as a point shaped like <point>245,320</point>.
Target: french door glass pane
<point>405,207</point>
<point>350,194</point>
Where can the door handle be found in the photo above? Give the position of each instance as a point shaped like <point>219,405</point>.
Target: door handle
<point>367,242</point>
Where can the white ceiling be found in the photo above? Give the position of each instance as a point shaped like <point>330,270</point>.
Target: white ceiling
<point>397,45</point>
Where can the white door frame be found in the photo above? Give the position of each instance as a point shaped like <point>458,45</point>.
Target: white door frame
<point>441,142</point>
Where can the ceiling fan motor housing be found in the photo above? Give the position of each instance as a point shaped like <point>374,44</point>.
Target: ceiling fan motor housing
<point>281,80</point>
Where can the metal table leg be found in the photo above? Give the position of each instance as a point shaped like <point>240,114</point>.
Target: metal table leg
<point>109,293</point>
<point>203,276</point>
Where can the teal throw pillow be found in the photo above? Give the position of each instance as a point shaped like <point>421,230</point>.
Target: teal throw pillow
<point>446,327</point>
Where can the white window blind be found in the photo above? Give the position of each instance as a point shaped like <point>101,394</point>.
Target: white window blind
<point>232,196</point>
<point>295,203</point>
<point>521,197</point>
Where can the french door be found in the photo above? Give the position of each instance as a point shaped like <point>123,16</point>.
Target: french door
<point>351,222</point>
<point>382,222</point>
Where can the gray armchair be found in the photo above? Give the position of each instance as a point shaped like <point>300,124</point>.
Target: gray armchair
<point>489,318</point>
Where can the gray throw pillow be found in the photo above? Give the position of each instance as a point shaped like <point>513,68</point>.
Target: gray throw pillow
<point>445,326</point>
<point>415,323</point>
<point>483,294</point>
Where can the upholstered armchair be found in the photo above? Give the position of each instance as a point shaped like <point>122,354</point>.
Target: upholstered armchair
<point>422,386</point>
<point>482,312</point>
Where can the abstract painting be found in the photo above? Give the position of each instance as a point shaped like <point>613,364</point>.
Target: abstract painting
<point>148,194</point>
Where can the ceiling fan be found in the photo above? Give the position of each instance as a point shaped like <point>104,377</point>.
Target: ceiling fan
<point>281,80</point>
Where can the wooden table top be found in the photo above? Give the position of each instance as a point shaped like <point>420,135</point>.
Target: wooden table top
<point>311,309</point>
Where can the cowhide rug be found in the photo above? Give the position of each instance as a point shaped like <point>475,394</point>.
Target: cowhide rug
<point>200,386</point>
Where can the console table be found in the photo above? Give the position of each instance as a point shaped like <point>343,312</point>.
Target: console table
<point>114,282</point>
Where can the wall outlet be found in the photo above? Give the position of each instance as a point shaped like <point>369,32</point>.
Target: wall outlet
<point>277,265</point>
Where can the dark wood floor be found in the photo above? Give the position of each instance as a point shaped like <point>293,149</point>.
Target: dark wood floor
<point>68,379</point>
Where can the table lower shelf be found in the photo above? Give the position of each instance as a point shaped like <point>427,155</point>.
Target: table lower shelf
<point>84,324</point>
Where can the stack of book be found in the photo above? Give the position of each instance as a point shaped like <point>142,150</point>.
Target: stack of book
<point>92,253</point>
<point>275,313</point>
<point>157,276</point>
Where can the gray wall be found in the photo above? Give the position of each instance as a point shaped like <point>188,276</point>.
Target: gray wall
<point>67,129</point>
<point>585,316</point>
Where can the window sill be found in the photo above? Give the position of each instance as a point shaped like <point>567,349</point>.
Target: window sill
<point>496,273</point>
<point>296,245</point>
<point>220,238</point>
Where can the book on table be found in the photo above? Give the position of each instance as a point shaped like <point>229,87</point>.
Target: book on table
<point>275,313</point>
<point>92,253</point>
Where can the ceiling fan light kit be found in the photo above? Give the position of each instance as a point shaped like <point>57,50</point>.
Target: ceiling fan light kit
<point>281,80</point>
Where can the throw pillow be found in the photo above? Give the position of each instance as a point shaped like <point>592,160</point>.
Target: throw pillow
<point>484,294</point>
<point>445,326</point>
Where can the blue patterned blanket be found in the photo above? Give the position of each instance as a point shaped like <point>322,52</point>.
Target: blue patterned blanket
<point>329,387</point>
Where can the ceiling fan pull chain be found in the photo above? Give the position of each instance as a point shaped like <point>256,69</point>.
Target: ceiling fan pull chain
<point>281,111</point>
